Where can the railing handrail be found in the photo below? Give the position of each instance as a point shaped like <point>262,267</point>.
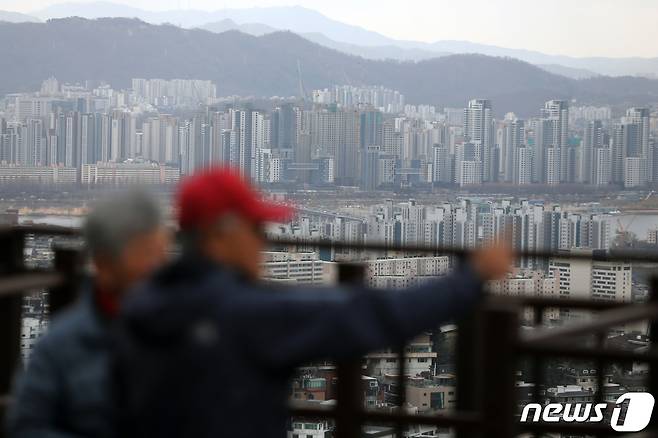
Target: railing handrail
<point>610,255</point>
<point>503,310</point>
<point>43,229</point>
<point>603,322</point>
<point>28,280</point>
<point>451,419</point>
<point>589,255</point>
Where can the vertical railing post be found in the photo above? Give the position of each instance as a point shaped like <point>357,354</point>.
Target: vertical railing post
<point>67,263</point>
<point>349,390</point>
<point>537,362</point>
<point>652,384</point>
<point>469,356</point>
<point>500,328</point>
<point>12,243</point>
<point>402,388</point>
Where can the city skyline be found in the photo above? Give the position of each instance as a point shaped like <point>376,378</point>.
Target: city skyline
<point>608,28</point>
<point>366,137</point>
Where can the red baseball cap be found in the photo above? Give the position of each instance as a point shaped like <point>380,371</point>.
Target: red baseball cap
<point>212,193</point>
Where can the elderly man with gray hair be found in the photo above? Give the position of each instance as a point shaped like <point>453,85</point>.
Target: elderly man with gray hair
<point>65,389</point>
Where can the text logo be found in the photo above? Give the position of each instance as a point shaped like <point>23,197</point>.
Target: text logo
<point>638,412</point>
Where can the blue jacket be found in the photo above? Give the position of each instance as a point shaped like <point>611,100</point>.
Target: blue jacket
<point>204,353</point>
<point>64,392</point>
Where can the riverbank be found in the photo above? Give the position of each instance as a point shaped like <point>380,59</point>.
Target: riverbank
<point>647,211</point>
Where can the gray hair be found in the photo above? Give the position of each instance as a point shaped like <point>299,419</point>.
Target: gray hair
<point>114,221</point>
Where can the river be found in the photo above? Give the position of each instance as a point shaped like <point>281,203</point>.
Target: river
<point>60,221</point>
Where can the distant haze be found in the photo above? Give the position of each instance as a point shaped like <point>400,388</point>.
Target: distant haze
<point>610,28</point>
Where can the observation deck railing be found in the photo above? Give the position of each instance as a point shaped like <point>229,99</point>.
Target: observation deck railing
<point>490,342</point>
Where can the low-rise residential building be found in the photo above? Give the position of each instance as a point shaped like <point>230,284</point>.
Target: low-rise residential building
<point>569,394</point>
<point>591,279</point>
<point>428,396</point>
<point>528,283</point>
<point>110,173</point>
<point>299,268</point>
<point>419,358</point>
<point>309,388</point>
<point>10,173</point>
<point>310,429</point>
<point>400,273</point>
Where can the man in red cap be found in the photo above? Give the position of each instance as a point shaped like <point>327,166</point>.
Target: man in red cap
<point>207,351</point>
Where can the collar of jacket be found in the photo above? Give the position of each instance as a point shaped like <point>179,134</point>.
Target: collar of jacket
<point>193,265</point>
<point>91,317</point>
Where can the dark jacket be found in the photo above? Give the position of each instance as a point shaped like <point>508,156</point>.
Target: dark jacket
<point>205,353</point>
<point>64,391</point>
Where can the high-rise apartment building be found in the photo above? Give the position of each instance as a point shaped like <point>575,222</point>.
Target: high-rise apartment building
<point>512,138</point>
<point>556,113</point>
<point>593,141</point>
<point>478,130</point>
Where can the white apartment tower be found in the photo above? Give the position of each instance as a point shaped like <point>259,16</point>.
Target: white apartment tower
<point>478,130</point>
<point>552,142</point>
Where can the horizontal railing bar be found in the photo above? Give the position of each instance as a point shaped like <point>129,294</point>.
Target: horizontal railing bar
<point>613,255</point>
<point>570,351</point>
<point>567,303</point>
<point>44,229</point>
<point>603,321</point>
<point>305,409</point>
<point>457,420</point>
<point>460,419</point>
<point>24,282</point>
<point>622,255</point>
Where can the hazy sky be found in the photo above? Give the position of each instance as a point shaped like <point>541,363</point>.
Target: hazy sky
<point>571,27</point>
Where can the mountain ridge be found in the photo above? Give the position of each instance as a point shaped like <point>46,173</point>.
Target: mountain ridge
<point>302,20</point>
<point>17,17</point>
<point>118,49</point>
<point>374,52</point>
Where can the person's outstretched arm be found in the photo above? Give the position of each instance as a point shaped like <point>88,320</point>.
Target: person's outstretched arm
<point>289,327</point>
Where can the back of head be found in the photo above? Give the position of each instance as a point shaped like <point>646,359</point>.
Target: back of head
<point>119,218</point>
<point>221,216</point>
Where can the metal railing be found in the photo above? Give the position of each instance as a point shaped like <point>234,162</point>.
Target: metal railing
<point>490,342</point>
<point>16,279</point>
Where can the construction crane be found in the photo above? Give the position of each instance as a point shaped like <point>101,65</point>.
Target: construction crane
<point>625,237</point>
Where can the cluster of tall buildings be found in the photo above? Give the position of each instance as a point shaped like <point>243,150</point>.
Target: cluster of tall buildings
<point>175,92</point>
<point>545,150</point>
<point>589,113</point>
<point>468,223</point>
<point>381,98</point>
<point>531,226</point>
<point>352,136</point>
<point>471,222</point>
